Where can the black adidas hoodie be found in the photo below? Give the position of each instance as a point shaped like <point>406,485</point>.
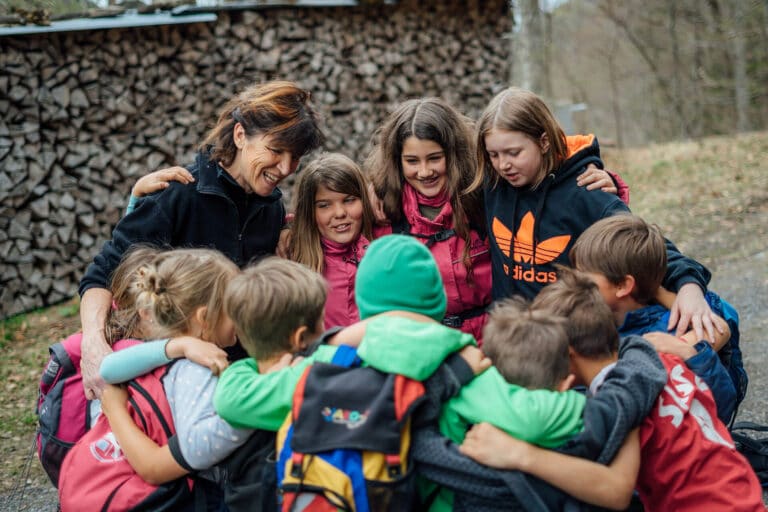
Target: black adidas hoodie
<point>532,230</point>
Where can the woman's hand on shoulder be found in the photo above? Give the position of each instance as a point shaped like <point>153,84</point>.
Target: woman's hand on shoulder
<point>94,349</point>
<point>159,180</point>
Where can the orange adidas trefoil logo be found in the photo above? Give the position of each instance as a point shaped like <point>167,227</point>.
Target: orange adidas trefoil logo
<point>525,250</point>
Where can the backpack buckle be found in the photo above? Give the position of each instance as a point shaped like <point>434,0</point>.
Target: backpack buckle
<point>454,321</point>
<point>394,469</point>
<point>297,470</point>
<point>444,235</point>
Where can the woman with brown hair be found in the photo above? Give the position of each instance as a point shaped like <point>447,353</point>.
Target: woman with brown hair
<point>232,205</point>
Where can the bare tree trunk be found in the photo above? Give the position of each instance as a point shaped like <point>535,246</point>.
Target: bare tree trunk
<point>656,71</point>
<point>676,64</point>
<point>615,94</point>
<point>529,48</point>
<point>740,78</point>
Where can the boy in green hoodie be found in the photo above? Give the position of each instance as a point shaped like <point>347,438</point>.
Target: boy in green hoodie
<point>399,274</point>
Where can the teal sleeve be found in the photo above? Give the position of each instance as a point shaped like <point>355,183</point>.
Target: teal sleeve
<point>132,200</point>
<point>247,399</point>
<point>542,417</point>
<point>124,365</point>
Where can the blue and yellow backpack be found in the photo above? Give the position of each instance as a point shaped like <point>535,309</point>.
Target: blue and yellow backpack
<point>345,444</point>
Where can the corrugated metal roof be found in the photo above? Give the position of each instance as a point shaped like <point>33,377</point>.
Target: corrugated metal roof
<point>121,21</point>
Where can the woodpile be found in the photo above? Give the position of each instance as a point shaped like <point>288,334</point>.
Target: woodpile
<point>86,113</point>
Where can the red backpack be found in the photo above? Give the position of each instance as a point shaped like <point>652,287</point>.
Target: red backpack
<point>95,474</point>
<point>62,409</point>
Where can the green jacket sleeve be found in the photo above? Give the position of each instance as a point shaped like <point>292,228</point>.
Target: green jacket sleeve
<point>247,399</point>
<point>542,417</point>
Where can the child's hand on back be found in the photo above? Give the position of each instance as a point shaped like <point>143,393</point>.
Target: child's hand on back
<point>112,398</point>
<point>475,358</point>
<point>690,310</point>
<point>158,180</point>
<point>495,448</point>
<point>668,344</point>
<point>378,207</point>
<point>594,178</point>
<point>198,351</point>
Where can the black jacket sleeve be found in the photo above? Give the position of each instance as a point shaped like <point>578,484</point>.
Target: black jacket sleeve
<point>683,270</point>
<point>149,224</point>
<point>626,397</point>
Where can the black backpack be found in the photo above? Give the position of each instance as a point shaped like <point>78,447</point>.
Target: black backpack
<point>754,448</point>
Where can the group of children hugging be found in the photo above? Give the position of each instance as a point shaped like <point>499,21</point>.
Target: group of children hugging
<point>477,239</point>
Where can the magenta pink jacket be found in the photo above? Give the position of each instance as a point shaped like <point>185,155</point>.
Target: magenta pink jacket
<point>340,269</point>
<point>463,296</point>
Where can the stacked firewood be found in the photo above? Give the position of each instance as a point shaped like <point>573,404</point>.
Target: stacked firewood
<point>86,113</point>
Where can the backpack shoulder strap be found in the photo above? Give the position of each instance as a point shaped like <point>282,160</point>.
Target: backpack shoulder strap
<point>59,351</point>
<point>346,356</point>
<point>402,227</point>
<point>749,425</point>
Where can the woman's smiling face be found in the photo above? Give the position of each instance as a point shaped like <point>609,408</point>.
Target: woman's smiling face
<point>424,166</point>
<point>261,164</point>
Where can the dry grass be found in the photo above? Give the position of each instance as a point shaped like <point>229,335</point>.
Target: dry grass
<point>709,196</point>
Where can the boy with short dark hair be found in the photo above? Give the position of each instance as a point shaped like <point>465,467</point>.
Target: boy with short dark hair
<point>626,257</point>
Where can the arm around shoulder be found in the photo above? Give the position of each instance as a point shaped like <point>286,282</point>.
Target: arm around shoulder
<point>542,417</point>
<point>244,398</point>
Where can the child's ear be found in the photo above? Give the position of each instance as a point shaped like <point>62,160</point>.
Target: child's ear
<point>296,339</point>
<point>625,287</point>
<point>567,383</point>
<point>198,322</point>
<point>145,315</point>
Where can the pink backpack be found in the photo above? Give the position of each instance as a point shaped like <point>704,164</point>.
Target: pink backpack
<point>95,474</point>
<point>62,409</point>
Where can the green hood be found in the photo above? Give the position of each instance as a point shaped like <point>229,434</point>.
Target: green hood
<point>409,347</point>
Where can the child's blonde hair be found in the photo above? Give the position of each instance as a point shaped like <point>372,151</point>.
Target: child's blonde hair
<point>176,283</point>
<point>339,174</point>
<point>123,319</point>
<point>624,245</point>
<point>518,110</point>
<point>268,301</point>
<point>434,120</point>
<point>529,348</point>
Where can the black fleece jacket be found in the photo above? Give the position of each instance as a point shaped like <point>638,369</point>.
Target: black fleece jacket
<point>213,211</point>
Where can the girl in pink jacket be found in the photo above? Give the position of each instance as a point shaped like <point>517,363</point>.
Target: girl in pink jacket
<point>422,160</point>
<point>421,165</point>
<point>332,229</point>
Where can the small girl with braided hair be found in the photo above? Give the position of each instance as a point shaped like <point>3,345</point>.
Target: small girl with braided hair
<point>181,296</point>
